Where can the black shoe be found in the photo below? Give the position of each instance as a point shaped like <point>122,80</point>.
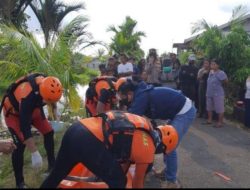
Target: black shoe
<point>22,186</point>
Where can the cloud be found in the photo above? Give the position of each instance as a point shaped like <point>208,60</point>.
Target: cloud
<point>228,5</point>
<point>227,8</point>
<point>165,22</point>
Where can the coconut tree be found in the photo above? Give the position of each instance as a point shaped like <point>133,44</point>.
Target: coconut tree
<point>199,26</point>
<point>50,14</point>
<point>126,40</point>
<point>100,55</point>
<point>238,13</point>
<point>210,41</point>
<point>23,54</point>
<point>12,11</point>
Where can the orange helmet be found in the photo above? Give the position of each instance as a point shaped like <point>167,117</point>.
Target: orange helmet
<point>50,89</point>
<point>169,137</point>
<point>119,82</point>
<point>124,85</point>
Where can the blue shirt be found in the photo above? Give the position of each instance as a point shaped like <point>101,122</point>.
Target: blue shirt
<point>156,102</point>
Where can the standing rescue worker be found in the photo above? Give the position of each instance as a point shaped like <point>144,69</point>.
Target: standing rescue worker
<point>100,96</point>
<point>108,144</point>
<point>159,103</point>
<point>23,106</point>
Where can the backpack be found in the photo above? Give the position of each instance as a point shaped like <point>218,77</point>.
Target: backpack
<point>122,129</point>
<point>11,89</point>
<point>91,93</point>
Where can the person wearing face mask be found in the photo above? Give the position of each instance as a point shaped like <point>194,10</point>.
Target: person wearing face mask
<point>159,103</point>
<point>247,103</point>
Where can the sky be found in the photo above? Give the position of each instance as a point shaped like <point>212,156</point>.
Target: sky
<point>164,21</point>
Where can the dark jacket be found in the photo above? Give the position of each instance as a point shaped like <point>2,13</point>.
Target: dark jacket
<point>156,102</point>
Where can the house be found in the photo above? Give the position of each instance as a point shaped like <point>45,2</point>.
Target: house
<point>94,64</point>
<point>225,28</point>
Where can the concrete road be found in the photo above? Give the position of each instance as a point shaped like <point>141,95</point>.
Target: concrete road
<point>206,150</point>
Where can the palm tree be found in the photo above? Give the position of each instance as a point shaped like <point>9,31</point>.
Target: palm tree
<point>199,26</point>
<point>12,11</point>
<point>208,43</point>
<point>100,55</point>
<point>50,14</point>
<point>126,40</point>
<point>23,54</point>
<point>237,14</point>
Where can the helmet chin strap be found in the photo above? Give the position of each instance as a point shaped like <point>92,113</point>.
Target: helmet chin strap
<point>160,147</point>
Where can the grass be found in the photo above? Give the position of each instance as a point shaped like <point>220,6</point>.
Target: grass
<point>34,178</point>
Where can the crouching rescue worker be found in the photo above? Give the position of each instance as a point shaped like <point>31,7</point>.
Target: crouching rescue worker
<point>108,144</point>
<point>100,95</point>
<point>23,106</point>
<point>159,103</point>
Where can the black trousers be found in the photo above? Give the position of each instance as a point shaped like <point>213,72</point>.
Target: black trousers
<point>17,155</point>
<point>202,99</point>
<point>247,113</point>
<point>80,145</point>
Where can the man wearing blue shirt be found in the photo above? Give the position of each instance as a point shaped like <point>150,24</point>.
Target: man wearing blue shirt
<point>159,103</point>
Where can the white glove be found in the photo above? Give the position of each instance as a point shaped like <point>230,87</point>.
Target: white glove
<point>37,160</point>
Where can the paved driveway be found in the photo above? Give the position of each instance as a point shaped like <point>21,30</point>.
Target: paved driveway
<point>206,150</point>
